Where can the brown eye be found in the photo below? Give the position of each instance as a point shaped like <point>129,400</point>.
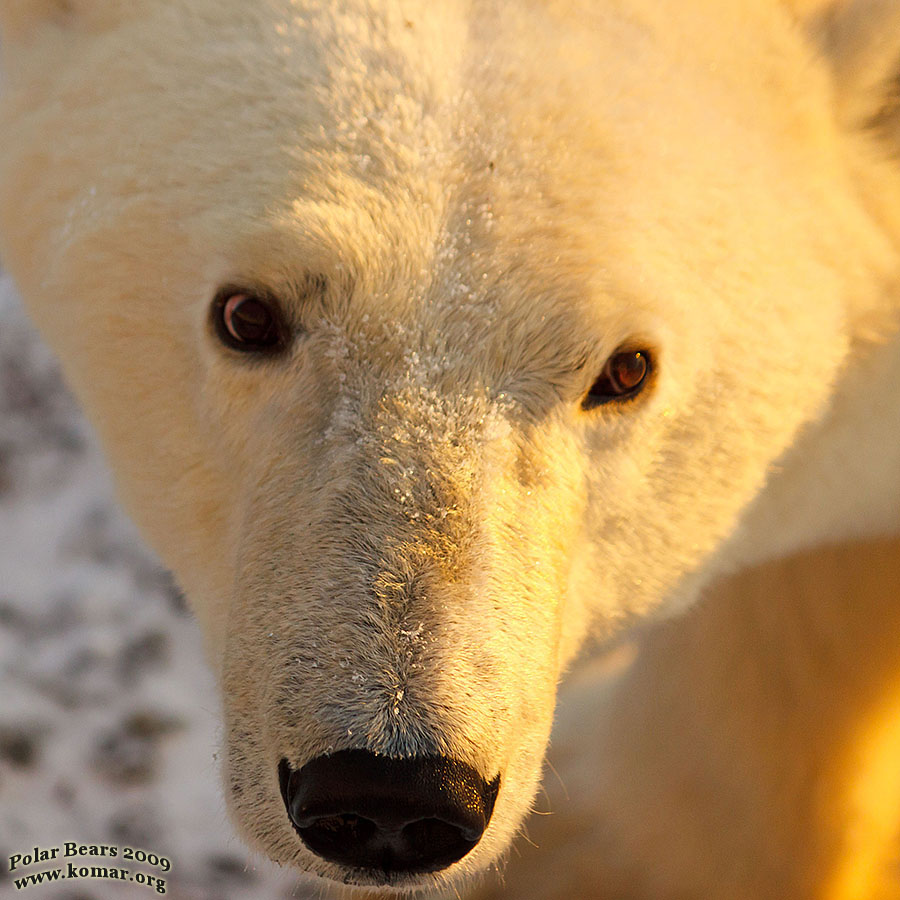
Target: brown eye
<point>623,376</point>
<point>249,322</point>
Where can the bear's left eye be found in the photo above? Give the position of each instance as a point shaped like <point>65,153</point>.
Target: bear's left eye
<point>248,321</point>
<point>625,374</point>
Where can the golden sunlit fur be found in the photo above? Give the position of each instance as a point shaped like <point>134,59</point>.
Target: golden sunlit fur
<point>399,535</point>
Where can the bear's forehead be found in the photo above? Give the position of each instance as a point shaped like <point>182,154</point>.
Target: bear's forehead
<point>520,112</point>
<point>464,158</point>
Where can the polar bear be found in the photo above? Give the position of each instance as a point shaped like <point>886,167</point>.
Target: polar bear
<point>428,341</point>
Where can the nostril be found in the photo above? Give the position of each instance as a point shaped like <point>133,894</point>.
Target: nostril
<point>368,811</point>
<point>331,836</point>
<point>438,840</point>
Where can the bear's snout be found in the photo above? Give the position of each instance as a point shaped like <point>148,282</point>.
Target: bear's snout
<point>389,815</point>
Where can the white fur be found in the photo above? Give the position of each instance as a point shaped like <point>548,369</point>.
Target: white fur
<point>400,537</point>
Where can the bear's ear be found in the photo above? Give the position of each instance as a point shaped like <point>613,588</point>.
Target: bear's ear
<point>861,39</point>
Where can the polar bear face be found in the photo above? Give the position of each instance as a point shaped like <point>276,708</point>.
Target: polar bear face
<point>423,341</point>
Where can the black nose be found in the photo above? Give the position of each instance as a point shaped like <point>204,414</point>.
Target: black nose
<point>393,815</point>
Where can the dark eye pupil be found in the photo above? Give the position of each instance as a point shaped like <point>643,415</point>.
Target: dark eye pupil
<point>622,377</point>
<point>627,370</point>
<point>248,322</point>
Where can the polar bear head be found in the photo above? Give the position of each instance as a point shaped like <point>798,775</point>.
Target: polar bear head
<point>424,339</point>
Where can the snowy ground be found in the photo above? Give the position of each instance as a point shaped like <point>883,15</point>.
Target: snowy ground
<point>109,720</point>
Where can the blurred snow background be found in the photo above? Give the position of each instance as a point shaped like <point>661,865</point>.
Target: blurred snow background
<point>109,717</point>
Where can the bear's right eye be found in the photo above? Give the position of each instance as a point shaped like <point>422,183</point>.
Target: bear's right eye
<point>249,321</point>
